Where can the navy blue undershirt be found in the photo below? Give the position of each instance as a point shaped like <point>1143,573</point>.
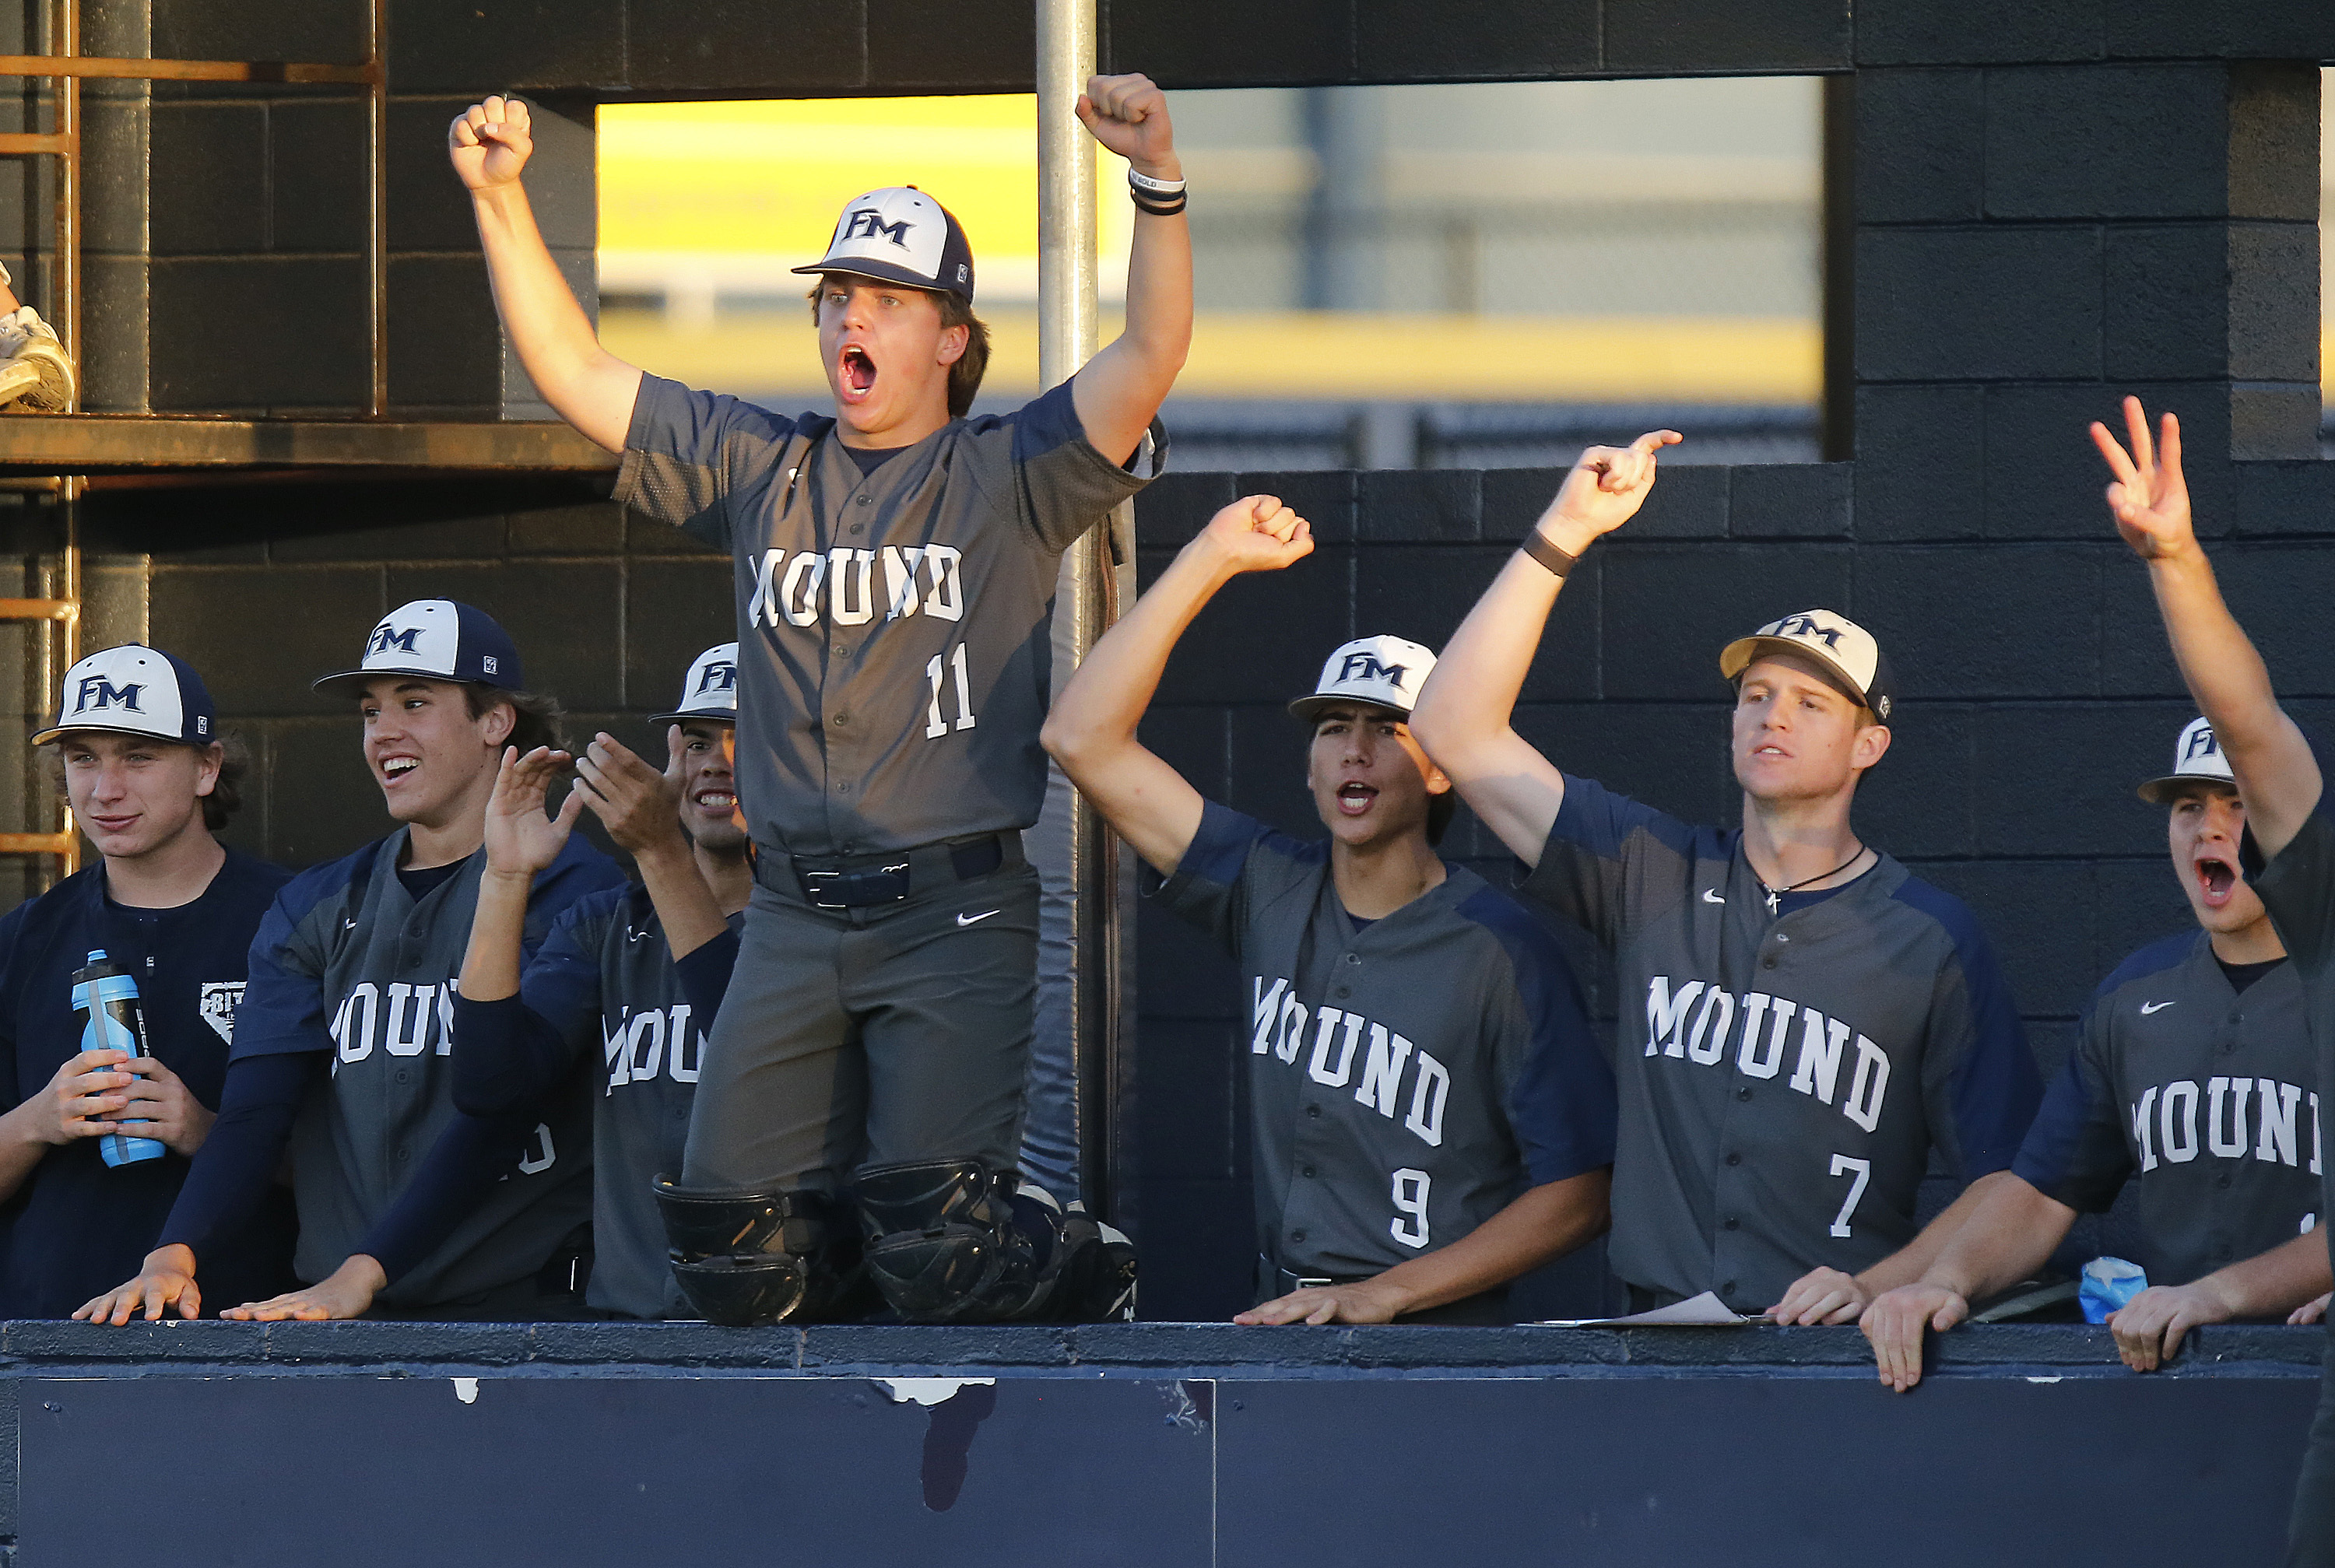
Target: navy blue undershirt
<point>870,459</point>
<point>2242,975</point>
<point>419,885</point>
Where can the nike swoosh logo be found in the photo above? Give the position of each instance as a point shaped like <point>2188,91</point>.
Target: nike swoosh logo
<point>976,919</point>
<point>350,923</point>
<point>2148,1007</point>
<point>1711,895</point>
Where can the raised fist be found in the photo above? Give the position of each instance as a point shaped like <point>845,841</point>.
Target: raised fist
<point>1258,534</point>
<point>490,142</point>
<point>1129,115</point>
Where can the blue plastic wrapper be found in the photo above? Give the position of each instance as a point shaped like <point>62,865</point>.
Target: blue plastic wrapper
<point>2109,1284</point>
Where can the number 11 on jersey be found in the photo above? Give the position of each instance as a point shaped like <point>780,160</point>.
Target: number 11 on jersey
<point>935,725</point>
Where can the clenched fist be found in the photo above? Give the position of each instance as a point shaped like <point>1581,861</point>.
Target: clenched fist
<point>490,142</point>
<point>1129,115</point>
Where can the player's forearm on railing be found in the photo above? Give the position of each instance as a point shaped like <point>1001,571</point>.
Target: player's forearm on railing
<point>1997,1234</point>
<point>1540,1225</point>
<point>2273,1283</point>
<point>585,385</point>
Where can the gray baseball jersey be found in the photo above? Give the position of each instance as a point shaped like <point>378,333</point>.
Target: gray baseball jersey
<point>2202,1096</point>
<point>893,644</point>
<point>1408,1077</point>
<point>1783,1078</point>
<point>605,982</point>
<point>348,961</point>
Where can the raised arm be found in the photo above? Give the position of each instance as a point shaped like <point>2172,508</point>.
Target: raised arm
<point>1119,391</point>
<point>1462,719</point>
<point>1091,731</point>
<point>521,841</point>
<point>2278,777</point>
<point>641,808</point>
<point>590,388</point>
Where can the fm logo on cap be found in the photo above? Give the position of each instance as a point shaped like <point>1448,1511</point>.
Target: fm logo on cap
<point>1362,666</point>
<point>386,636</point>
<point>97,692</point>
<point>867,223</point>
<point>2196,742</point>
<point>718,675</point>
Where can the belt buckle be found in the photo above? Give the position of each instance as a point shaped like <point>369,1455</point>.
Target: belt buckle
<point>816,883</point>
<point>857,889</point>
<point>1305,1282</point>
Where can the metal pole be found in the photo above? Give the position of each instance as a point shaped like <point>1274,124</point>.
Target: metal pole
<point>1078,1000</point>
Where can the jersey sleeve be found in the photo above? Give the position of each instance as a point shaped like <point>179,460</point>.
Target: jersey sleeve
<point>704,972</point>
<point>2075,1152</point>
<point>1208,888</point>
<point>2298,888</point>
<point>685,452</point>
<point>580,872</point>
<point>1067,487</point>
<point>283,1008</point>
<point>1979,1085</point>
<point>1606,855</point>
<point>509,1052</point>
<point>1561,1103</point>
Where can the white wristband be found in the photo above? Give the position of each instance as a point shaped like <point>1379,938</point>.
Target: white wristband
<point>1144,182</point>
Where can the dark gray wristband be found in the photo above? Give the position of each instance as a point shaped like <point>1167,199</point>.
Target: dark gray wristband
<point>1548,554</point>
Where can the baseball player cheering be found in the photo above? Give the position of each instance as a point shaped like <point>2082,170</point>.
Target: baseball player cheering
<point>344,1036</point>
<point>1430,1114</point>
<point>2204,1026</point>
<point>634,974</point>
<point>894,570</point>
<point>1803,1021</point>
<point>2289,846</point>
<point>149,782</point>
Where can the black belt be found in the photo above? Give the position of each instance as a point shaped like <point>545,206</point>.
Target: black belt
<point>865,881</point>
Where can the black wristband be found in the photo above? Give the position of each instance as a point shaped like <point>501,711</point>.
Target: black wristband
<point>1156,208</point>
<point>1548,554</point>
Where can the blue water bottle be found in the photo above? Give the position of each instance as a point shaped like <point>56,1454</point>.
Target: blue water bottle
<point>105,999</point>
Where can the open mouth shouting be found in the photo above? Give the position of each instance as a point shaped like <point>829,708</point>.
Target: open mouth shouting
<point>2217,880</point>
<point>854,374</point>
<point>395,767</point>
<point>1355,797</point>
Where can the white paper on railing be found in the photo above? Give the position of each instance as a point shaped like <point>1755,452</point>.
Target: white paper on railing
<point>1703,1311</point>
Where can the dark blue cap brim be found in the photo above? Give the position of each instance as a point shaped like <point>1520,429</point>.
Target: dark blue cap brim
<point>883,272</point>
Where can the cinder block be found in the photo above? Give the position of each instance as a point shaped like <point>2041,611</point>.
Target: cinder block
<point>1689,501</point>
<point>1976,32</point>
<point>114,332</point>
<point>1669,609</point>
<point>428,208</point>
<point>1978,305</point>
<point>2044,477</point>
<point>1920,462</point>
<point>1962,621</point>
<point>1194,741</point>
<point>299,342</point>
<point>114,167</point>
<point>1789,501</point>
<point>259,635</point>
<point>2137,901</point>
<point>1514,499</point>
<point>1417,506</point>
<point>321,799</point>
<point>1264,635</point>
<point>561,613</point>
<point>461,45</point>
<point>2275,419</point>
<point>1173,507</point>
<point>952,45</point>
<point>673,611</point>
<point>1325,500</point>
<point>1228,44</point>
<point>326,30</point>
<point>2108,141</point>
<point>2085,759</point>
<point>1919,798</point>
<point>1673,756</point>
<point>316,176</point>
<point>1423,592</point>
<point>2221,29</point>
<point>1921,153</point>
<point>445,343</point>
<point>2273,309</point>
<point>594,529</point>
<point>743,46</point>
<point>2134,659</point>
<point>1397,42</point>
<point>2278,593</point>
<point>2274,112</point>
<point>1269,754</point>
<point>2168,297</point>
<point>208,193</point>
<point>364,540</point>
<point>2278,499</point>
<point>1662,36</point>
<point>2039,916</point>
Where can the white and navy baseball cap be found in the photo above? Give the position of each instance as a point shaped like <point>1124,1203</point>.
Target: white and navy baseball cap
<point>711,690</point>
<point>135,689</point>
<point>1833,641</point>
<point>1382,671</point>
<point>900,234</point>
<point>2197,758</point>
<point>439,640</point>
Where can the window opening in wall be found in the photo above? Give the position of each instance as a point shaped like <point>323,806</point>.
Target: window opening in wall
<point>1468,275</point>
